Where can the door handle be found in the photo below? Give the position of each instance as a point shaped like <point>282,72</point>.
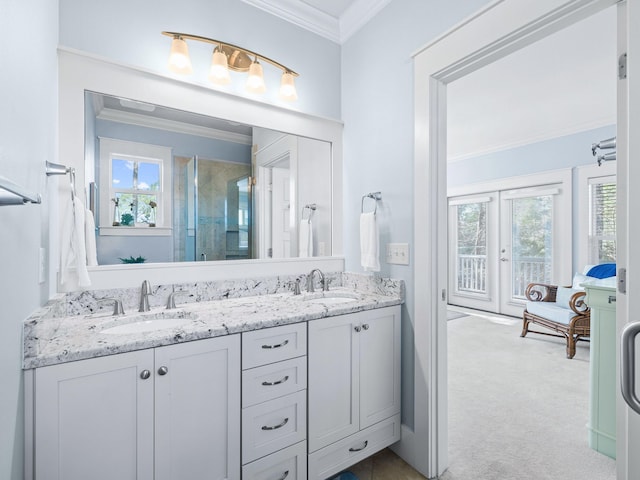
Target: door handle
<point>628,365</point>
<point>502,259</point>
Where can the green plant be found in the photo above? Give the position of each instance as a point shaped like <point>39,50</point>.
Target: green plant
<point>133,259</point>
<point>126,219</point>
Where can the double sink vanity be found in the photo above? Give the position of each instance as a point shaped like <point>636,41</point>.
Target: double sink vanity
<point>254,379</point>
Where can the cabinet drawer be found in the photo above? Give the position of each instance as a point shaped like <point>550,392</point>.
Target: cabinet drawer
<point>274,380</point>
<point>344,453</point>
<point>269,345</point>
<point>289,463</point>
<point>273,425</point>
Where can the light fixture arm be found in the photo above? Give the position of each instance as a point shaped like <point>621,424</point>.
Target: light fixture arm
<point>231,46</point>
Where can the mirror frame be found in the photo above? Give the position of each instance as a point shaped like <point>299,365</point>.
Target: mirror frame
<point>79,71</point>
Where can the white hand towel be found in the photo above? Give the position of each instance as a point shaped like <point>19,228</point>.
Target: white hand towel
<point>72,245</point>
<point>305,239</point>
<point>369,242</point>
<point>90,238</point>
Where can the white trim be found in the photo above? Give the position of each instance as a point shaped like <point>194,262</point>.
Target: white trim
<point>454,202</point>
<point>359,13</point>
<point>302,15</point>
<point>137,231</point>
<point>557,133</point>
<point>586,174</point>
<point>172,126</point>
<point>533,180</point>
<point>499,29</point>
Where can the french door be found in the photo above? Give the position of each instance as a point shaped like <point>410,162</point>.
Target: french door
<point>501,241</point>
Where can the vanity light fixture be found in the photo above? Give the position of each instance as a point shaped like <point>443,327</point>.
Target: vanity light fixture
<point>228,56</point>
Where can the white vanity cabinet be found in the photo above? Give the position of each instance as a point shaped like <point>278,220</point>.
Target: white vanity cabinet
<point>169,413</point>
<point>274,403</point>
<point>354,388</point>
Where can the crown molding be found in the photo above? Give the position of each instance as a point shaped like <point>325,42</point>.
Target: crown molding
<point>172,125</point>
<point>357,15</point>
<point>302,15</point>
<point>312,19</point>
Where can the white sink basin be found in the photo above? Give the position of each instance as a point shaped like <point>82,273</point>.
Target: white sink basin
<point>330,300</point>
<point>146,326</point>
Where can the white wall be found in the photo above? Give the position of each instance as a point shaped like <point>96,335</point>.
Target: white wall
<point>129,32</point>
<point>377,108</point>
<point>28,136</point>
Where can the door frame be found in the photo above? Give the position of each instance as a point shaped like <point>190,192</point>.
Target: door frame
<point>498,29</point>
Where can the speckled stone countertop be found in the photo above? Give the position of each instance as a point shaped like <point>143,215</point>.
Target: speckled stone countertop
<point>71,326</point>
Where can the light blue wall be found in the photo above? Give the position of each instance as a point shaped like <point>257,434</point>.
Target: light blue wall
<point>129,32</point>
<point>377,108</point>
<point>28,118</point>
<point>562,152</point>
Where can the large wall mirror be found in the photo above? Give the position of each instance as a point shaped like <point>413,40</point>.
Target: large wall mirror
<point>176,186</point>
<point>207,183</point>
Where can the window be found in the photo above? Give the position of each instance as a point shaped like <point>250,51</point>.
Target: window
<point>135,180</point>
<point>602,220</point>
<point>597,214</point>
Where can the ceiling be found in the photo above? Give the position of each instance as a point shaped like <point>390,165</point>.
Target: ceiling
<point>562,84</point>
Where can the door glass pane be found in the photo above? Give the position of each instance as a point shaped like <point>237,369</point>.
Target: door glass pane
<point>602,224</point>
<point>531,224</point>
<point>471,248</point>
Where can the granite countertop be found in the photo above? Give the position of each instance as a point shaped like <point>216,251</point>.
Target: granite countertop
<point>49,341</point>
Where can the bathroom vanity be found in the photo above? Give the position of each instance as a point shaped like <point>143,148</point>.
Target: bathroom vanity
<point>263,386</point>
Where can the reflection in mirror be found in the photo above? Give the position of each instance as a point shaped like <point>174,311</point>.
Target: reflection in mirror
<point>175,186</point>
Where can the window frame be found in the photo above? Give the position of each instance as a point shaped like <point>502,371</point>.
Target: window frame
<point>139,152</point>
<point>587,175</point>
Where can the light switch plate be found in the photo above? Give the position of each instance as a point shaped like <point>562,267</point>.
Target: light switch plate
<point>398,253</point>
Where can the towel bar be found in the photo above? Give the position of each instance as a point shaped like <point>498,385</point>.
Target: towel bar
<point>374,196</point>
<point>13,194</point>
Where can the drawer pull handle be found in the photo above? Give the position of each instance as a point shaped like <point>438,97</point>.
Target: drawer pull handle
<point>365,326</point>
<point>366,442</point>
<point>275,427</point>
<point>285,475</point>
<point>612,298</point>
<point>277,382</point>
<point>276,346</point>
<point>145,374</point>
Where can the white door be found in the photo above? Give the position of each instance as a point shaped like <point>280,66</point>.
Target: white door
<point>197,407</point>
<point>95,419</point>
<point>628,225</point>
<point>280,213</point>
<point>473,245</point>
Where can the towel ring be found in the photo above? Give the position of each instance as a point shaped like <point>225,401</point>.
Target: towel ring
<point>312,208</point>
<point>375,196</point>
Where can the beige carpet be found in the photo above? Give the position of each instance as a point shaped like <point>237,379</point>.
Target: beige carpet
<point>518,408</point>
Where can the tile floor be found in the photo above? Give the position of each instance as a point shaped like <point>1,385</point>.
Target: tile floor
<point>384,465</point>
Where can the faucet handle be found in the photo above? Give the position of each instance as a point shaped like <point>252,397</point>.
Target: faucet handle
<point>117,304</point>
<point>171,300</point>
<point>296,287</point>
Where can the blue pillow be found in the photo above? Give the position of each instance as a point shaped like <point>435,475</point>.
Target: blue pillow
<point>345,476</point>
<point>604,270</point>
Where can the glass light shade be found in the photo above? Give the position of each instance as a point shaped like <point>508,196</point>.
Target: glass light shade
<point>288,88</point>
<point>219,71</point>
<point>255,81</point>
<point>179,61</point>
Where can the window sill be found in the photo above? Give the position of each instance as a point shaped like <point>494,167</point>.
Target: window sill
<point>141,231</point>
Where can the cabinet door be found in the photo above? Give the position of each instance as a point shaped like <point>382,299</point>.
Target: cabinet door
<point>94,419</point>
<point>197,433</point>
<point>379,365</point>
<point>333,393</point>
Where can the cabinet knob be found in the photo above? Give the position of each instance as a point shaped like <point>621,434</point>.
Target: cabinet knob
<point>144,374</point>
<point>163,370</point>
<point>365,326</point>
<point>357,328</point>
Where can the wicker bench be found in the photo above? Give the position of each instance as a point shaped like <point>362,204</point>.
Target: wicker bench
<point>561,310</point>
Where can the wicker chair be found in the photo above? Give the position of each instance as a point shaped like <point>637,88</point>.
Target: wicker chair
<point>568,318</point>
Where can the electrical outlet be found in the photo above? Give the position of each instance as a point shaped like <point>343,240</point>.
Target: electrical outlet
<point>398,253</point>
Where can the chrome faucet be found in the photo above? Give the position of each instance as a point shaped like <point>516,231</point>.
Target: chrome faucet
<point>171,301</point>
<point>144,296</point>
<point>323,281</point>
